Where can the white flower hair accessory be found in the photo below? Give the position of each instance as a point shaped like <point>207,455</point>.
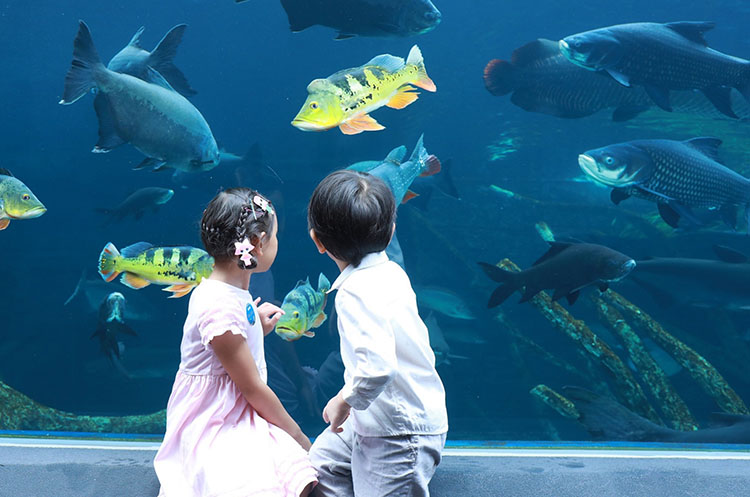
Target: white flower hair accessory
<point>243,249</point>
<point>262,203</point>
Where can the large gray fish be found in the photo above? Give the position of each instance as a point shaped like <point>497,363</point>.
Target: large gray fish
<point>137,203</point>
<point>153,118</point>
<point>722,283</point>
<point>543,80</point>
<point>606,419</point>
<point>136,61</point>
<point>661,58</point>
<point>363,17</point>
<point>111,324</point>
<point>566,268</point>
<point>676,175</point>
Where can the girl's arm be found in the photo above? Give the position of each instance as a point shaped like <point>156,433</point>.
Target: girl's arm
<point>238,361</point>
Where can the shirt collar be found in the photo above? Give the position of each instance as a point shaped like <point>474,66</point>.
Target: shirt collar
<point>369,260</point>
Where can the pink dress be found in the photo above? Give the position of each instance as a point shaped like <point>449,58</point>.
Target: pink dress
<point>215,444</point>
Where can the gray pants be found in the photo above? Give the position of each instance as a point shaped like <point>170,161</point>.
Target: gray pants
<point>349,465</point>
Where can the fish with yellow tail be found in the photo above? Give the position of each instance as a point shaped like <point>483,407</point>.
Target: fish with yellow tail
<point>346,98</point>
<point>141,264</point>
<point>16,200</point>
<point>303,309</point>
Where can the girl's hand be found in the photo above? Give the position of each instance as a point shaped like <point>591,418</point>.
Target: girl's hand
<point>269,315</point>
<point>304,441</point>
<point>336,412</point>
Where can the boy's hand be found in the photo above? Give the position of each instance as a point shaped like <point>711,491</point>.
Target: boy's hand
<point>269,315</point>
<point>336,412</point>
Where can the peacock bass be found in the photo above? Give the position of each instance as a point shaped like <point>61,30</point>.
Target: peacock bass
<point>143,264</point>
<point>304,309</point>
<point>346,98</point>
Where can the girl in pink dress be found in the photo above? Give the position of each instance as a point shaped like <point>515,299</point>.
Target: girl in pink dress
<point>227,433</point>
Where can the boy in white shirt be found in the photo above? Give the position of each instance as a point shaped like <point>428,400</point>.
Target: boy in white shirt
<point>391,443</point>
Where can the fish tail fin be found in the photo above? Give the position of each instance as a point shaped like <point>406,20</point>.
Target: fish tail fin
<point>499,77</point>
<point>162,59</point>
<point>508,279</point>
<point>323,284</point>
<point>77,289</point>
<point>108,262</point>
<point>422,79</point>
<point>80,77</point>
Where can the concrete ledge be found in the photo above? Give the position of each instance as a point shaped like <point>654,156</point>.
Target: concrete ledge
<point>63,468</point>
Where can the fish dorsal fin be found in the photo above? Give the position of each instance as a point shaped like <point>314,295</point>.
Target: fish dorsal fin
<point>135,249</point>
<point>692,30</point>
<point>135,41</point>
<point>533,51</point>
<point>6,172</point>
<point>727,254</point>
<point>554,249</point>
<point>318,84</point>
<point>153,76</point>
<point>302,283</point>
<point>365,166</point>
<point>396,155</point>
<point>706,145</point>
<point>390,63</point>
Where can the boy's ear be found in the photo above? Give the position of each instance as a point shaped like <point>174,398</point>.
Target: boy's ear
<point>315,240</point>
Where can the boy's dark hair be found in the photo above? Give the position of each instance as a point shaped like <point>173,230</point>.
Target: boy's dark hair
<point>232,216</point>
<point>352,214</point>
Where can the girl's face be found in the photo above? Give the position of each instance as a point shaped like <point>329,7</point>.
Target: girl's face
<point>269,247</point>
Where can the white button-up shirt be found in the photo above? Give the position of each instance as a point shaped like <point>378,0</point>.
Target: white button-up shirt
<point>390,378</point>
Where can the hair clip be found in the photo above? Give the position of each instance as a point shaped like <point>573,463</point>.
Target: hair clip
<point>243,249</point>
<point>262,203</point>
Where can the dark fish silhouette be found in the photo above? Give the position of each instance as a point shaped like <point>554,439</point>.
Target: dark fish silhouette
<point>136,61</point>
<point>661,58</point>
<point>606,419</point>
<point>541,79</point>
<point>111,324</point>
<point>137,203</point>
<point>676,175</point>
<point>363,17</point>
<point>722,283</point>
<point>566,268</point>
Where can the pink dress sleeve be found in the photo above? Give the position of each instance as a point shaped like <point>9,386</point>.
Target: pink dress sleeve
<point>228,315</point>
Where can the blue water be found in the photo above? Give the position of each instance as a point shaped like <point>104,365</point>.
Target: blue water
<point>251,72</point>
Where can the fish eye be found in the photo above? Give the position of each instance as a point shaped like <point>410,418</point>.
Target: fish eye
<point>26,196</point>
<point>609,160</point>
<point>313,105</point>
<point>296,314</point>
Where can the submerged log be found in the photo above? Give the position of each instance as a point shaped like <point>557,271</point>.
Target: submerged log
<point>629,389</point>
<point>703,372</point>
<point>19,412</point>
<point>671,405</point>
<point>556,401</point>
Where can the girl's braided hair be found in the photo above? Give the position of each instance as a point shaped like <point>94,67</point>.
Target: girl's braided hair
<point>232,216</point>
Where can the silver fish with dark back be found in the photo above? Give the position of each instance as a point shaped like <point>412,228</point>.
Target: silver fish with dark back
<point>661,58</point>
<point>676,175</point>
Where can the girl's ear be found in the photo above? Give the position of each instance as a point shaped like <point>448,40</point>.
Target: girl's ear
<point>259,243</point>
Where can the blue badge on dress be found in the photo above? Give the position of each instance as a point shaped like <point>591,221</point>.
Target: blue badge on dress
<point>250,314</point>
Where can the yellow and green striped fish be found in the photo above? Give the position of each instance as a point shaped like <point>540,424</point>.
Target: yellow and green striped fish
<point>141,264</point>
<point>346,98</point>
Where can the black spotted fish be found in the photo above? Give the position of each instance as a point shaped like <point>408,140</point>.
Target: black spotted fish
<point>346,98</point>
<point>151,116</point>
<point>677,175</point>
<point>141,264</point>
<point>661,58</point>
